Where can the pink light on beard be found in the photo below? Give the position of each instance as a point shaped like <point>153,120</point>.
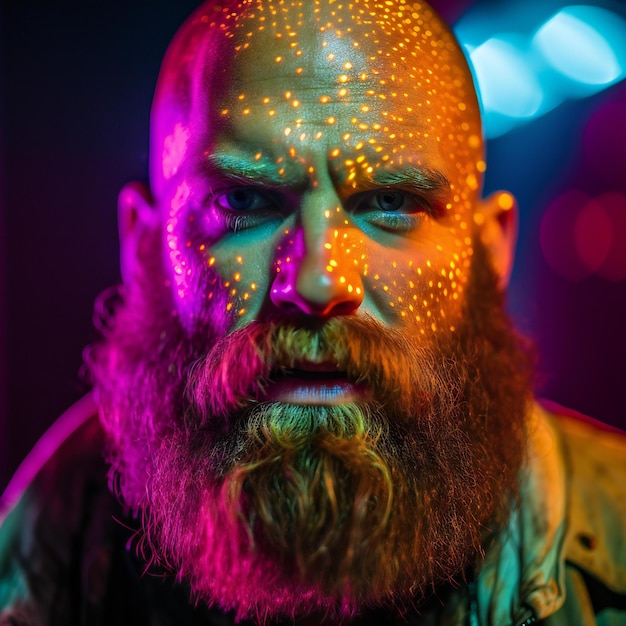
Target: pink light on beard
<point>261,350</point>
<point>229,561</point>
<point>235,556</point>
<point>453,429</point>
<point>253,581</point>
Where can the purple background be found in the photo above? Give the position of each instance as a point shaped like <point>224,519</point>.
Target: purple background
<point>77,82</point>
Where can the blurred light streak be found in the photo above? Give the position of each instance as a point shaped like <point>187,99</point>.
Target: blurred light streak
<point>581,236</point>
<point>574,52</point>
<point>573,43</point>
<point>557,232</point>
<point>508,86</point>
<point>593,235</point>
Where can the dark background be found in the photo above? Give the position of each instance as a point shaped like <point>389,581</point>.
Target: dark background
<point>77,82</point>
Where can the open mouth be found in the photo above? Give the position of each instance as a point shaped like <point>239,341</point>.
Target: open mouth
<point>314,384</point>
<point>314,375</point>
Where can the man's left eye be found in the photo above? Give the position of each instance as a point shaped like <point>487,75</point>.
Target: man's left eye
<point>390,200</point>
<point>243,200</point>
<point>393,210</point>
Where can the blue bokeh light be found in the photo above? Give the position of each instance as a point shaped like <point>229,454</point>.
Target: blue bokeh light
<point>577,42</point>
<point>571,52</point>
<point>507,81</point>
<point>509,89</point>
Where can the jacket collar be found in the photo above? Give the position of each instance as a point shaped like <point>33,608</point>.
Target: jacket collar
<point>523,573</point>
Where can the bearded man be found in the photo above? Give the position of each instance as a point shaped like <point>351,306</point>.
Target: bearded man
<point>311,402</point>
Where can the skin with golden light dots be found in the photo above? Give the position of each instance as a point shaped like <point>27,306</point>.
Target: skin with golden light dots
<point>323,116</point>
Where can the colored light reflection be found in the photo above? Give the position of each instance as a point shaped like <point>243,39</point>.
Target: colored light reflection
<point>582,43</point>
<point>593,235</point>
<point>581,235</point>
<point>526,68</point>
<point>508,86</point>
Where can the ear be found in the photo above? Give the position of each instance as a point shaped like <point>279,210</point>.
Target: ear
<point>136,216</point>
<point>496,218</point>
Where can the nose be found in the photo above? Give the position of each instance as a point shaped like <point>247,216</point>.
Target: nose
<point>317,274</point>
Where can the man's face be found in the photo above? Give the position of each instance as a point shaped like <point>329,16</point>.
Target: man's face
<point>312,391</point>
<point>324,176</point>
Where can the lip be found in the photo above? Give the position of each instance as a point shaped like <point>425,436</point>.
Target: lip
<point>293,390</point>
<point>315,384</point>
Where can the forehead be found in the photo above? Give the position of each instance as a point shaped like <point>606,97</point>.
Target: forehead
<point>387,50</point>
<point>387,75</point>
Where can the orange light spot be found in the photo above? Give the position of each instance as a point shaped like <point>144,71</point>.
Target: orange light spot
<point>506,201</point>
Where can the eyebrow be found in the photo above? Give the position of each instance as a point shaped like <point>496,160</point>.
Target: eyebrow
<point>421,178</point>
<point>241,168</point>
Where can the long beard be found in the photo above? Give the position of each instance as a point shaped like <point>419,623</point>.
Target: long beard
<point>274,509</point>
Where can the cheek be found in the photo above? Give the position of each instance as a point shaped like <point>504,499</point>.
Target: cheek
<point>221,281</point>
<point>244,279</point>
<point>422,287</point>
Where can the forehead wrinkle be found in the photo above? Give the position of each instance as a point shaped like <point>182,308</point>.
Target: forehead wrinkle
<point>305,83</point>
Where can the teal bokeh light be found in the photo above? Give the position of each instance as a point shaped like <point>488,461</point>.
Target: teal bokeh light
<point>584,44</point>
<point>537,56</point>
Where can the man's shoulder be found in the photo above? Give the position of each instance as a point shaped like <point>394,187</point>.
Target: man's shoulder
<point>594,454</point>
<point>576,425</point>
<point>595,463</point>
<point>47,505</point>
<point>68,453</point>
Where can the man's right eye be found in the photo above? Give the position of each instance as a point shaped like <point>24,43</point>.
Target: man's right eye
<point>243,200</point>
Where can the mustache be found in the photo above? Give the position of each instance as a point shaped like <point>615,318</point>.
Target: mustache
<point>240,366</point>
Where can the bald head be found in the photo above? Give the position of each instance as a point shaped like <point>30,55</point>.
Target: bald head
<point>344,70</point>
